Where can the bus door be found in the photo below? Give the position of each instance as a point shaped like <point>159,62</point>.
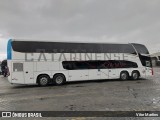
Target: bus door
<point>146,62</point>
<point>28,72</point>
<point>17,72</point>
<point>149,70</point>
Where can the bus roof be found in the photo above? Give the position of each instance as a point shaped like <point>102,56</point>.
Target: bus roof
<point>65,41</point>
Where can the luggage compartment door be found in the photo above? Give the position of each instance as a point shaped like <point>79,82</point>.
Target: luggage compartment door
<point>17,73</point>
<point>28,72</point>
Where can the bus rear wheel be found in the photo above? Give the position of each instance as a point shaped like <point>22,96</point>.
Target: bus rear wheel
<point>43,80</point>
<point>124,76</point>
<point>59,79</point>
<point>135,75</point>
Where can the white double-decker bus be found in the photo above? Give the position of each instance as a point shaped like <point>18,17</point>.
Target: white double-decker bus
<point>42,63</point>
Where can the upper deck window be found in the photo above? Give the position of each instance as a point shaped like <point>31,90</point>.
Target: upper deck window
<point>62,47</point>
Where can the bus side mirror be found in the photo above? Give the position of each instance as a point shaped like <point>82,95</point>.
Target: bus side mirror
<point>99,70</point>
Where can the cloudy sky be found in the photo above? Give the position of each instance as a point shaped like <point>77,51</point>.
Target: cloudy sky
<point>81,20</point>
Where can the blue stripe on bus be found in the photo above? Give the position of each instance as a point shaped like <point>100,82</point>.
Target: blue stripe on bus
<point>9,50</point>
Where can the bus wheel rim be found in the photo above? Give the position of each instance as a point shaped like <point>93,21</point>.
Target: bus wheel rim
<point>124,76</point>
<point>135,75</point>
<point>59,80</point>
<point>43,81</point>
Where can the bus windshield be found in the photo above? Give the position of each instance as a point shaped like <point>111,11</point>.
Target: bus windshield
<point>143,54</point>
<point>141,49</point>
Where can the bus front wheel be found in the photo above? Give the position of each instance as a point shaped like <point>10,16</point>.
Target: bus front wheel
<point>59,79</point>
<point>124,75</point>
<point>43,80</point>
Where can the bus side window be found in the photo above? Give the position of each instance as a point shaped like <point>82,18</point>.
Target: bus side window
<point>67,65</point>
<point>17,67</point>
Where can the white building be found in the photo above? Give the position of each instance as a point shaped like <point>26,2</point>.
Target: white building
<point>155,59</point>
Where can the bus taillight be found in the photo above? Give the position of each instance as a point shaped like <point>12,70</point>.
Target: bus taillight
<point>152,72</point>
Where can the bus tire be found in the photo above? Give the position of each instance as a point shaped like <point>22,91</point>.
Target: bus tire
<point>59,79</point>
<point>135,75</point>
<point>124,75</point>
<point>43,80</point>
